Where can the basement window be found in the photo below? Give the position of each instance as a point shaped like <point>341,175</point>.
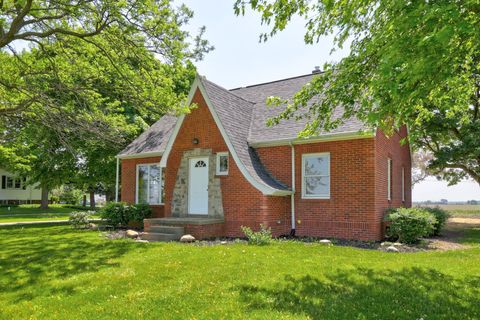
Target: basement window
<point>149,184</point>
<point>222,163</point>
<point>316,176</point>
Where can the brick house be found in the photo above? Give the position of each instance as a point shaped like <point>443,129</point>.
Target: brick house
<point>220,167</point>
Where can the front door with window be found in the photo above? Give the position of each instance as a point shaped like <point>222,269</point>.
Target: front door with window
<point>198,186</point>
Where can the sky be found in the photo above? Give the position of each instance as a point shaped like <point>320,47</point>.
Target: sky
<point>239,60</point>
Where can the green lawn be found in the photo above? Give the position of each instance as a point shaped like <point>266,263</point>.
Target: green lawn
<point>60,273</point>
<point>460,210</point>
<point>25,213</point>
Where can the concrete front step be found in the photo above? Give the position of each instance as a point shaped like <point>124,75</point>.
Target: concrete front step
<point>156,236</point>
<point>179,231</point>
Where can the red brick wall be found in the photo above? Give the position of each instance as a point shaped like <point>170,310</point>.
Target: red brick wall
<point>128,182</point>
<point>357,180</point>
<point>243,204</point>
<point>400,154</point>
<point>350,212</point>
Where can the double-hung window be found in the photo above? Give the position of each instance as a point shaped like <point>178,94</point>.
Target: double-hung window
<point>316,176</point>
<point>149,184</point>
<point>13,183</point>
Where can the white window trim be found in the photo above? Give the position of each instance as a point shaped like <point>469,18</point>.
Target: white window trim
<point>148,189</point>
<point>13,183</point>
<point>306,155</point>
<point>217,164</point>
<point>389,179</point>
<point>403,184</point>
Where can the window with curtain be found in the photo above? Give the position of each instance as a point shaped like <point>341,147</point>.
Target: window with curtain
<point>149,184</point>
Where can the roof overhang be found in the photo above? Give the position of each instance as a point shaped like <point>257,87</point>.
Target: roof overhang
<point>350,135</point>
<point>197,84</point>
<point>140,155</point>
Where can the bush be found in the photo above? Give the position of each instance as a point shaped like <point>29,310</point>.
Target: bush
<point>120,213</point>
<point>80,219</point>
<point>410,224</point>
<point>259,238</point>
<point>441,216</point>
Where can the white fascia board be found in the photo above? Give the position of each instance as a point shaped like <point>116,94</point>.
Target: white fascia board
<point>351,135</point>
<point>140,155</point>
<point>197,84</point>
<point>178,124</point>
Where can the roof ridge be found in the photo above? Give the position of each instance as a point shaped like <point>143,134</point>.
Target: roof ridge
<point>223,88</point>
<point>274,81</point>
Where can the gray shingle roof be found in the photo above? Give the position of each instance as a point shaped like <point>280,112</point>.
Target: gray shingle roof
<point>154,139</point>
<point>286,129</point>
<point>235,114</point>
<point>243,114</point>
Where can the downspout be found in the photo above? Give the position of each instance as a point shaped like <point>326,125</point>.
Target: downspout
<point>292,196</point>
<point>116,179</point>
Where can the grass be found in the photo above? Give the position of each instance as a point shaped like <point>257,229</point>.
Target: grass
<point>460,210</point>
<point>26,213</point>
<point>61,273</point>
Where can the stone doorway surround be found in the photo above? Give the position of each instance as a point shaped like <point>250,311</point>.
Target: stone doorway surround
<point>180,191</point>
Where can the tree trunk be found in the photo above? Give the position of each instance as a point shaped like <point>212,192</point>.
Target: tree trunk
<point>84,201</point>
<point>44,201</point>
<point>92,200</point>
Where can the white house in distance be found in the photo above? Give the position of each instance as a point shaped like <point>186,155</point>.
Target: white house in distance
<point>14,190</point>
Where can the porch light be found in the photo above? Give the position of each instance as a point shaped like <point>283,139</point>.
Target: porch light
<point>195,141</point>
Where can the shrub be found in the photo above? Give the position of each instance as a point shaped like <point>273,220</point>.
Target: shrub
<point>120,213</point>
<point>441,216</point>
<point>410,224</point>
<point>80,219</point>
<point>259,238</point>
<point>139,212</point>
<point>115,213</point>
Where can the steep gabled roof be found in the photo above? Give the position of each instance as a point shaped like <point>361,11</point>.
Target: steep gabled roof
<point>151,141</point>
<point>241,116</point>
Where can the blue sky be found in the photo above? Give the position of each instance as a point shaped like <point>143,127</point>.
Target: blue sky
<point>240,60</point>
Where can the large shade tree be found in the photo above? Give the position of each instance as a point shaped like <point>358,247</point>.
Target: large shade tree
<point>89,83</point>
<point>412,63</point>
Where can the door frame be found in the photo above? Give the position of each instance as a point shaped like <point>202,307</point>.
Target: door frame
<point>207,158</point>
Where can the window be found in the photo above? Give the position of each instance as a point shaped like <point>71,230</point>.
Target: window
<point>149,184</point>
<point>222,163</point>
<point>316,176</point>
<point>389,179</point>
<point>403,184</point>
<point>13,183</point>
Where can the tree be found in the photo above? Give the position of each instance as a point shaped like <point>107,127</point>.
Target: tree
<point>71,103</point>
<point>413,63</point>
<point>115,30</point>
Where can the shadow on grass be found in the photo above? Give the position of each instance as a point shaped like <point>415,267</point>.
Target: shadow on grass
<point>31,257</point>
<point>364,293</point>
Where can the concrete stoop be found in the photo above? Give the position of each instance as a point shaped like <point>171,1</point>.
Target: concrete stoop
<point>161,232</point>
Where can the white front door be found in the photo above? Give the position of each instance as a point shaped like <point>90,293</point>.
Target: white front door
<point>198,186</point>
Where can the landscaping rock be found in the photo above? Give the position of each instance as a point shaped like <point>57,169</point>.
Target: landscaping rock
<point>132,234</point>
<point>223,242</point>
<point>397,244</point>
<point>326,242</point>
<point>187,238</point>
<point>386,244</point>
<point>143,241</point>
<point>93,226</point>
<point>392,249</point>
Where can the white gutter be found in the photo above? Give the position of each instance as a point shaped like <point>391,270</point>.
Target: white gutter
<point>141,155</point>
<point>351,135</point>
<point>116,179</point>
<point>292,196</point>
